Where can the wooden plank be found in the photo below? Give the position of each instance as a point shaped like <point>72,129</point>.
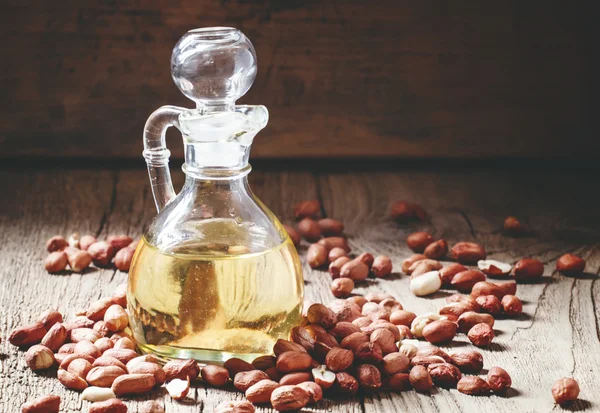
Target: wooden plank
<point>557,336</point>
<point>408,79</point>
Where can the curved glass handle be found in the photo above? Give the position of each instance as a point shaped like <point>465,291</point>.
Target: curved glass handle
<point>157,154</point>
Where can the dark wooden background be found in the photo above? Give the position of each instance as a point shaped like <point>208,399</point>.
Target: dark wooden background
<point>431,79</point>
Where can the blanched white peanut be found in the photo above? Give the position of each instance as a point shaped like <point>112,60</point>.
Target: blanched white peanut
<point>426,284</point>
<point>97,394</point>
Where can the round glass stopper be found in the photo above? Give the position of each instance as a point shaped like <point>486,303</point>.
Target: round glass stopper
<point>214,65</point>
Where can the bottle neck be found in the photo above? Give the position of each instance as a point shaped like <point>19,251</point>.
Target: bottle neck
<point>220,186</point>
<point>216,160</point>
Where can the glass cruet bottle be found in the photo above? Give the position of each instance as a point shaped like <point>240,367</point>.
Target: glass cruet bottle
<point>216,275</point>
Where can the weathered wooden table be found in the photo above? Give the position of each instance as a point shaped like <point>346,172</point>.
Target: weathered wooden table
<point>558,334</point>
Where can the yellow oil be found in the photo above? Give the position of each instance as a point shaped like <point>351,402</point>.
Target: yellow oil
<point>213,302</point>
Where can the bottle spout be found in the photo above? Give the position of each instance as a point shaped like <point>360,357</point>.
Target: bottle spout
<point>223,139</point>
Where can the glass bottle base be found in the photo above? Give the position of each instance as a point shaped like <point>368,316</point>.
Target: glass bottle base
<point>204,356</point>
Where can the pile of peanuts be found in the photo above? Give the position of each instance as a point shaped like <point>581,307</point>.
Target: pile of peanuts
<point>79,252</point>
<point>355,342</point>
<point>330,247</point>
<point>472,314</point>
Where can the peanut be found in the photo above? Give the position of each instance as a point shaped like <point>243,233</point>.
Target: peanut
<point>336,266</point>
<point>287,398</point>
<point>27,335</point>
<point>310,209</point>
<point>331,227</point>
<point>129,384</point>
<point>336,253</point>
<point>103,376</point>
<point>481,335</point>
<point>123,259</point>
<point>512,305</point>
<point>102,253</point>
<point>188,369</point>
<point>146,367</point>
<point>85,242</point>
<point>88,348</point>
<point>39,357</point>
<point>426,284</point>
<point>292,361</point>
<point>528,269</point>
<point>367,258</point>
<point>368,376</point>
<point>295,378</point>
<point>395,363</point>
<point>71,381</point>
<point>464,281</point>
<point>118,242</point>
<point>332,242</point>
<point>245,379</point>
<point>407,263</point>
<point>345,383</point>
<point>356,270</point>
<point>309,229</point>
<point>79,260</point>
<point>498,379</point>
<point>56,243</point>
<point>404,212</point>
<point>342,287</point>
<point>448,273</point>
<point>97,394</point>
<point>512,226</point>
<point>261,391</point>
<point>420,379</point>
<point>468,252</point>
<point>108,406</point>
<point>444,375</point>
<point>470,361</point>
<point>45,404</point>
<point>50,317</point>
<point>80,368</point>
<point>339,359</point>
<point>316,255</point>
<point>265,362</point>
<point>56,262</point>
<point>215,376</point>
<point>402,317</point>
<point>473,385</point>
<point>489,304</point>
<point>116,318</point>
<point>382,266</point>
<point>570,265</point>
<point>178,389</point>
<point>440,331</point>
<point>320,315</point>
<point>313,389</point>
<point>418,241</point>
<point>55,337</point>
<point>323,377</point>
<point>294,235</point>
<point>436,250</point>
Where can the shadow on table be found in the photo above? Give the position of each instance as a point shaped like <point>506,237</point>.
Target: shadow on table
<point>583,276</point>
<point>509,393</point>
<point>578,405</point>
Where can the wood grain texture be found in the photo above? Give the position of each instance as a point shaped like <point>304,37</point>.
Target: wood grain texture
<point>351,78</point>
<point>556,336</point>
